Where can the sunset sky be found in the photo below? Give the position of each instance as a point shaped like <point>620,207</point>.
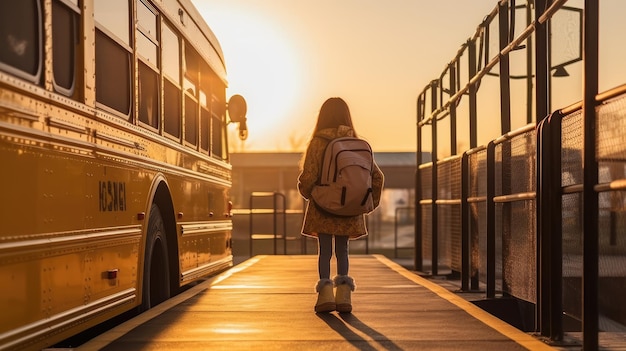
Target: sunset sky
<point>287,56</point>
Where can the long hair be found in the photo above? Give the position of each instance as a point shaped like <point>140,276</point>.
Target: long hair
<point>333,113</point>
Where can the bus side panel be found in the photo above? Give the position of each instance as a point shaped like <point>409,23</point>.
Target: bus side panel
<point>204,226</point>
<point>69,244</point>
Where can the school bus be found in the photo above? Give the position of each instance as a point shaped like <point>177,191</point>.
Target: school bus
<point>115,172</point>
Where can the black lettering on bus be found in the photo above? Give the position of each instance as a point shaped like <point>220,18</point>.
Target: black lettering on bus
<point>102,197</point>
<point>112,196</point>
<point>122,196</point>
<point>115,197</point>
<point>109,196</point>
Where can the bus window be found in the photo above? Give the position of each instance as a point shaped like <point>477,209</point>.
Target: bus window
<point>191,83</point>
<point>65,39</point>
<point>148,96</point>
<point>112,74</point>
<point>205,120</point>
<point>171,108</point>
<point>20,39</point>
<point>113,60</point>
<point>114,16</point>
<point>218,148</point>
<point>205,108</point>
<point>192,68</point>
<point>147,43</point>
<point>146,38</point>
<point>170,52</point>
<point>191,120</point>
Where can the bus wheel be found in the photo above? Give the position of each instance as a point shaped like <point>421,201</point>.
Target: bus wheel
<point>156,275</point>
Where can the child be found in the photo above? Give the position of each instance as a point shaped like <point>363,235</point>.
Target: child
<point>334,121</point>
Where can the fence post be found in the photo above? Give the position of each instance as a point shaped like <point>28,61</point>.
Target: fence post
<point>491,222</point>
<point>590,177</point>
<point>465,228</point>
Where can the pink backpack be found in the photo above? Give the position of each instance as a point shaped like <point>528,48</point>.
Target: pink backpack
<point>345,182</point>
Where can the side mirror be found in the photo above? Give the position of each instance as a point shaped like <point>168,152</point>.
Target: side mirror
<point>237,109</point>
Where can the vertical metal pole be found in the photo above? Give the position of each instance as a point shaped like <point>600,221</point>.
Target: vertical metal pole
<point>529,68</point>
<point>418,259</point>
<point>395,233</point>
<point>434,218</point>
<point>465,228</point>
<point>590,177</point>
<point>473,139</point>
<point>275,222</point>
<point>453,127</point>
<point>491,223</point>
<point>555,254</point>
<point>505,125</point>
<point>542,74</point>
<point>542,317</point>
<point>251,211</point>
<point>473,119</point>
<point>542,62</point>
<point>284,223</point>
<point>505,83</point>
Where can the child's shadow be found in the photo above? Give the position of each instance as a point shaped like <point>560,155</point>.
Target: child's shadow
<point>354,331</point>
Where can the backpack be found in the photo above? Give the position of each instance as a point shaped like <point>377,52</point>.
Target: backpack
<point>345,182</point>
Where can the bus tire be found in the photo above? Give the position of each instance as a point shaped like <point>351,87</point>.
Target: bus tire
<point>156,275</point>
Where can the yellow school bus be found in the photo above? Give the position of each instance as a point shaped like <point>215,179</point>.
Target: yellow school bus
<point>115,174</point>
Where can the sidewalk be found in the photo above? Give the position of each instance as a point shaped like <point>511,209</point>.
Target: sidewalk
<point>266,303</point>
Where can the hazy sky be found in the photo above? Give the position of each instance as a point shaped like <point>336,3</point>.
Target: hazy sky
<point>287,56</point>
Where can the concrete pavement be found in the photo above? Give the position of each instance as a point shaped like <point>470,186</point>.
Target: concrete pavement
<point>266,303</point>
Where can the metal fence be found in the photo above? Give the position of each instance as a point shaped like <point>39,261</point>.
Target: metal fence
<point>538,214</point>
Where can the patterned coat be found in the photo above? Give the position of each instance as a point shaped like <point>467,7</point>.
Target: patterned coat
<point>316,221</point>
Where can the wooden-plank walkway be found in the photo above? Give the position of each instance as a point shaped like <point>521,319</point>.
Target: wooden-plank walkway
<point>266,303</point>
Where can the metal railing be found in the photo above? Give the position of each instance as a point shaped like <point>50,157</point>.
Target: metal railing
<point>542,209</point>
<point>278,209</point>
<point>396,220</point>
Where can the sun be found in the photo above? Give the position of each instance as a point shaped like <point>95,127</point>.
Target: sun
<point>264,70</point>
<point>261,65</point>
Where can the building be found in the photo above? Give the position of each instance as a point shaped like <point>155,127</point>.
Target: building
<point>278,173</point>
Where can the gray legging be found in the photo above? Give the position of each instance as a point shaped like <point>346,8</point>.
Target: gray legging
<point>325,253</point>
